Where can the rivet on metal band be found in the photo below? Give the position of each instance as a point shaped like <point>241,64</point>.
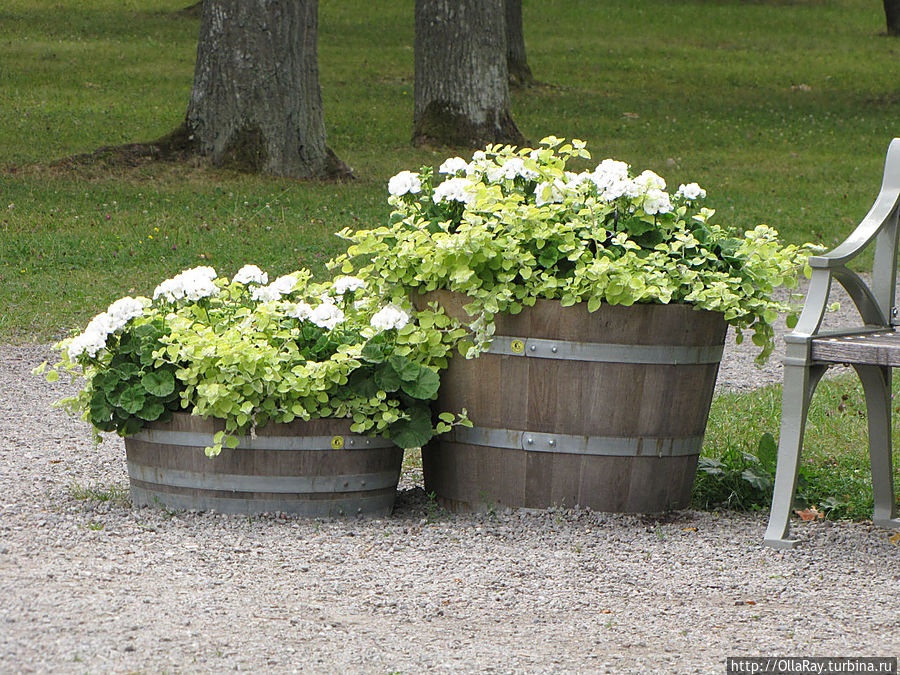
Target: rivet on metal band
<point>612,446</point>
<point>606,352</point>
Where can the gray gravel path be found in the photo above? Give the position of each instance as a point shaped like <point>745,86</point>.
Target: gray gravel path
<point>98,587</point>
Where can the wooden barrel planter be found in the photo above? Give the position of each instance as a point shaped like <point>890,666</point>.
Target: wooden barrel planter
<point>316,468</point>
<point>604,409</point>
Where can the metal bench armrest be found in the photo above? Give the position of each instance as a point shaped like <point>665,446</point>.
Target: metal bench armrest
<point>875,219</point>
<point>878,225</point>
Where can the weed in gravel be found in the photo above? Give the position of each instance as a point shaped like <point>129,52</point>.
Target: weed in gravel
<point>113,494</point>
<point>433,510</point>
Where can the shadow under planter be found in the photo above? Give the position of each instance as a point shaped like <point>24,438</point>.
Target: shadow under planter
<point>606,409</point>
<point>316,468</point>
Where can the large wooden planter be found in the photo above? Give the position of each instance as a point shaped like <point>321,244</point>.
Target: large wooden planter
<point>605,410</point>
<point>315,468</point>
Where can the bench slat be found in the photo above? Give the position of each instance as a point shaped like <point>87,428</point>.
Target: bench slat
<point>882,348</point>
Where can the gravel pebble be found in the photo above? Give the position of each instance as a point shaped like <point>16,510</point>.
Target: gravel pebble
<point>97,586</point>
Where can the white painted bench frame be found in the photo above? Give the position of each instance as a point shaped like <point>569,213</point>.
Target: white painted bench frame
<point>872,349</point>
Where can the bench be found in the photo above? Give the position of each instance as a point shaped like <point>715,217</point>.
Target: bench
<point>872,349</point>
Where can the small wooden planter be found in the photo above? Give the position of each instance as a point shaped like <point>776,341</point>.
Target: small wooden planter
<point>605,410</point>
<point>316,468</point>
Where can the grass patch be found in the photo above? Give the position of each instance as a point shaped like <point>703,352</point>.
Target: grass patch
<point>835,467</point>
<point>114,494</point>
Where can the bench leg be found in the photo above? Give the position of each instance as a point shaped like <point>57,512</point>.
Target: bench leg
<point>799,384</point>
<point>876,382</point>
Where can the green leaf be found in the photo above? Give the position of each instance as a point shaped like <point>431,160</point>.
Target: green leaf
<point>767,451</point>
<point>406,369</point>
<point>387,379</point>
<point>100,409</point>
<point>132,399</point>
<point>151,411</point>
<point>106,382</point>
<point>425,386</point>
<point>362,383</point>
<point>159,382</point>
<point>131,426</point>
<point>373,353</point>
<point>549,256</point>
<point>414,432</point>
<point>128,370</point>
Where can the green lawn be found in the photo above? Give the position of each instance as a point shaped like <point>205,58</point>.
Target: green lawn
<point>782,110</point>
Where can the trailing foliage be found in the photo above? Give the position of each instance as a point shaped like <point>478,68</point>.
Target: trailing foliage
<point>513,225</point>
<point>249,352</point>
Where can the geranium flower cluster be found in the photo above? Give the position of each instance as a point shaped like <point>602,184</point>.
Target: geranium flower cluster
<point>193,284</point>
<point>388,318</point>
<point>248,351</point>
<point>281,286</point>
<point>610,182</point>
<point>95,335</point>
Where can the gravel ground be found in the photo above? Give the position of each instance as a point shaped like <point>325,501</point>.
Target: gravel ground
<point>94,586</point>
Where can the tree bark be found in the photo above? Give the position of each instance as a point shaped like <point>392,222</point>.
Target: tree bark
<point>255,103</point>
<point>461,77</point>
<point>516,61</point>
<point>892,15</point>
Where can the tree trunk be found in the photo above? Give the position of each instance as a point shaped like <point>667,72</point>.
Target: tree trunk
<point>892,14</point>
<point>461,79</point>
<point>255,103</point>
<point>516,62</point>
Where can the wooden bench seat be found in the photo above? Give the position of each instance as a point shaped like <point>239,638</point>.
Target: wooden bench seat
<point>872,349</point>
<point>880,348</point>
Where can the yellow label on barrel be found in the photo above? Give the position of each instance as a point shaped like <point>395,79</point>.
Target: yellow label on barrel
<point>517,346</point>
<point>337,442</point>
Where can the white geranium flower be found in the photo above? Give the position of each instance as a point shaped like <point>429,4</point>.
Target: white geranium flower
<point>690,191</point>
<point>403,183</point>
<point>494,173</point>
<point>202,272</point>
<point>281,286</point>
<point>327,315</point>
<point>123,310</point>
<point>455,189</point>
<point>650,181</point>
<point>609,172</point>
<point>197,287</point>
<point>347,284</point>
<point>515,167</point>
<point>575,180</point>
<point>657,201</point>
<point>93,339</point>
<point>192,284</point>
<point>620,188</point>
<point>388,317</point>
<point>89,342</point>
<point>299,310</point>
<point>250,274</point>
<point>453,165</point>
